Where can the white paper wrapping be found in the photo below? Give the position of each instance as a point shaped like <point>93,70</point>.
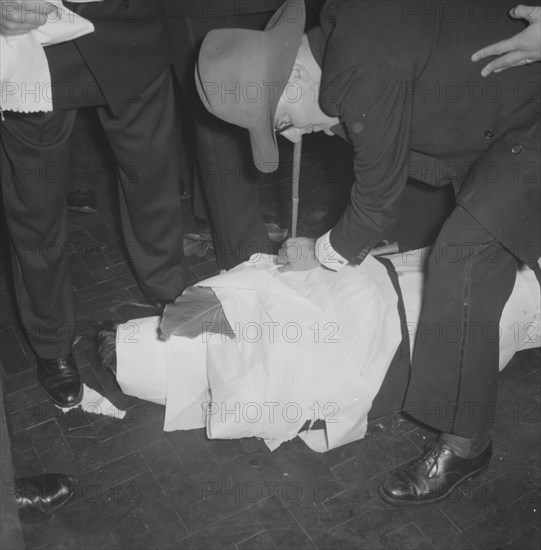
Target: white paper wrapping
<point>25,80</point>
<point>333,338</point>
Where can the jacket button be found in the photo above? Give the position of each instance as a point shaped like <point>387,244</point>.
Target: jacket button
<point>516,149</point>
<point>489,134</point>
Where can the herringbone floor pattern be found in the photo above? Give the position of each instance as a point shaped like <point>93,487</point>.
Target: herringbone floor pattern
<point>142,488</point>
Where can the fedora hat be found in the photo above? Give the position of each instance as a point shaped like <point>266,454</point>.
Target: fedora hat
<point>241,74</point>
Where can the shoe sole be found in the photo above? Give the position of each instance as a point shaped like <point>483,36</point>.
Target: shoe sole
<point>36,516</point>
<point>430,500</point>
<point>64,405</point>
<point>82,209</point>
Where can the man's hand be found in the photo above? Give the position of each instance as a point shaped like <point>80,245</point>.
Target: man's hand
<point>521,49</point>
<point>22,16</point>
<point>298,254</point>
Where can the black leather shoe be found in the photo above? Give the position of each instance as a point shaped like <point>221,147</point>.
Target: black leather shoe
<point>432,476</point>
<point>38,496</point>
<point>60,380</point>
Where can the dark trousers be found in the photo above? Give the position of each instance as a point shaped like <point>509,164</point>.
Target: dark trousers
<point>229,180</point>
<point>454,379</point>
<point>34,157</point>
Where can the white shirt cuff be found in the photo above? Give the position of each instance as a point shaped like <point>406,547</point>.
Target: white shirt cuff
<point>327,255</point>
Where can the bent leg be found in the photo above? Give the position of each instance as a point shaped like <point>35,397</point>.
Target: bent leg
<point>453,385</point>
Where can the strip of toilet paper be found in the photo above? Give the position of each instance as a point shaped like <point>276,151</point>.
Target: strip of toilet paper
<point>95,403</point>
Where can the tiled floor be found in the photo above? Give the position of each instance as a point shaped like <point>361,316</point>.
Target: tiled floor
<point>141,488</point>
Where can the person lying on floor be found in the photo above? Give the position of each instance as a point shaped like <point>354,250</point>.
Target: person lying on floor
<point>260,351</point>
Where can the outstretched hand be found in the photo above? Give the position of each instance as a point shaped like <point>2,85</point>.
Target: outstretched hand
<point>298,254</point>
<point>521,49</point>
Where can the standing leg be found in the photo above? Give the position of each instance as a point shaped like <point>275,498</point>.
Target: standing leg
<point>231,185</point>
<point>453,386</point>
<point>34,169</point>
<point>229,179</point>
<point>143,139</point>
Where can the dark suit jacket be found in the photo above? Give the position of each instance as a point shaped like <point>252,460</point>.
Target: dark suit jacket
<point>235,10</point>
<point>127,51</point>
<point>399,77</point>
<point>235,13</point>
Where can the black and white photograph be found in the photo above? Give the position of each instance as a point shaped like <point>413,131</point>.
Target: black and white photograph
<point>270,275</point>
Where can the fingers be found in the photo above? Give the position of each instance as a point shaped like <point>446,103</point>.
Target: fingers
<point>512,59</point>
<point>34,13</point>
<point>298,253</point>
<point>530,13</point>
<point>14,29</point>
<point>284,254</point>
<point>496,49</point>
<point>51,10</point>
<point>282,258</point>
<point>20,17</point>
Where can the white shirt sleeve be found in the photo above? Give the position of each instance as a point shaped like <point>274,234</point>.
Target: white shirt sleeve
<point>327,255</point>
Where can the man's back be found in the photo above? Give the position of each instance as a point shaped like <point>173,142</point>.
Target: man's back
<point>416,55</point>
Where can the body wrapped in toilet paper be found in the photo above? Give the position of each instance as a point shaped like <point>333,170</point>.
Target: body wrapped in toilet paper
<point>293,348</point>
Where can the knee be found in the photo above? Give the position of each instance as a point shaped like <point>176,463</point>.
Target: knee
<point>463,239</point>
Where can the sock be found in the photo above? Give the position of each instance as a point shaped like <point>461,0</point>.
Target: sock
<point>464,447</point>
<point>106,341</point>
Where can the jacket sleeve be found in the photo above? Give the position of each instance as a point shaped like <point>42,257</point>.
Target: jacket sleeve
<point>374,104</point>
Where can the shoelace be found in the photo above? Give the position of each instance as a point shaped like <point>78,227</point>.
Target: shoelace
<point>429,456</point>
